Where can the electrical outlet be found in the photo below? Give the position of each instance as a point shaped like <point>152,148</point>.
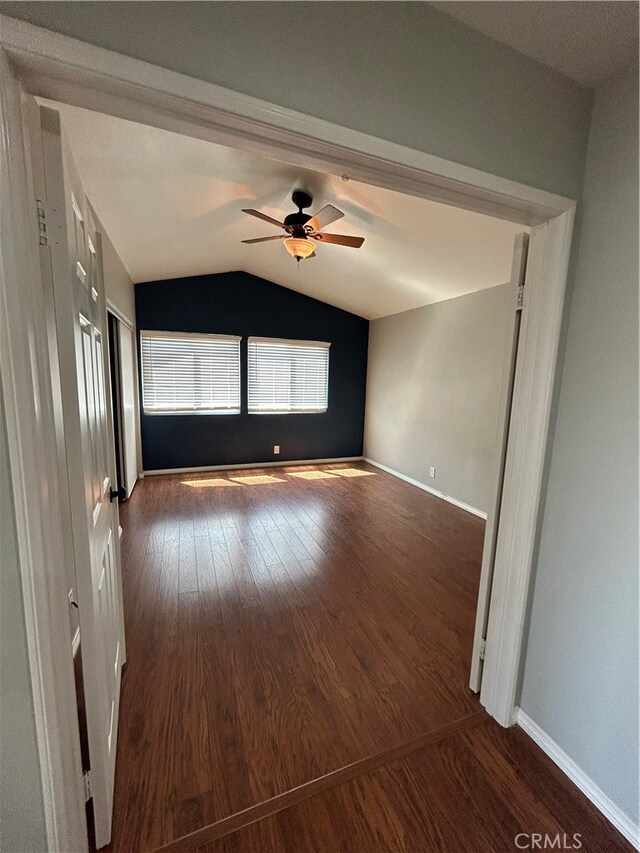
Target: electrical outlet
<point>276,449</point>
<point>432,471</point>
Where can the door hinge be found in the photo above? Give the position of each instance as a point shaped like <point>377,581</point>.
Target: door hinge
<point>86,778</point>
<point>483,649</point>
<point>42,223</point>
<point>520,302</point>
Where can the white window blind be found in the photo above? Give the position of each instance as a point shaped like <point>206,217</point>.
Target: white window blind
<point>184,372</point>
<point>288,376</point>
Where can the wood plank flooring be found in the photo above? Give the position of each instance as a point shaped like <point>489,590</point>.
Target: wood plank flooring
<point>282,625</point>
<point>486,790</point>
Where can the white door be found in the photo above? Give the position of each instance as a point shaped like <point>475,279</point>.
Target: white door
<point>518,269</point>
<point>72,271</point>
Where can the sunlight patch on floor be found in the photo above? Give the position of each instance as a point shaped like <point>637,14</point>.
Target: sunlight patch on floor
<point>208,484</point>
<point>266,479</point>
<point>352,472</point>
<point>258,479</point>
<point>312,475</point>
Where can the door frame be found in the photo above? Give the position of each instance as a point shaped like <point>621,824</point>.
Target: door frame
<point>517,297</point>
<point>112,308</point>
<point>113,337</point>
<point>51,65</point>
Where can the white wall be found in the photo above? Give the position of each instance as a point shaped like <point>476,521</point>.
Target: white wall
<point>401,71</point>
<point>433,386</point>
<point>581,667</point>
<point>117,281</point>
<point>120,292</point>
<point>22,824</point>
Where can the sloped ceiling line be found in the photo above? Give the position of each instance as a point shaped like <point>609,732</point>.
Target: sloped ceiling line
<point>172,207</point>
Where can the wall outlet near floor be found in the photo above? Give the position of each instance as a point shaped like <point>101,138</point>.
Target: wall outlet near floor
<point>276,449</point>
<point>432,471</point>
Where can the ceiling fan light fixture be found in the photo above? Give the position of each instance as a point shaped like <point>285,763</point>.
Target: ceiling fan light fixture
<point>299,247</point>
<point>303,232</point>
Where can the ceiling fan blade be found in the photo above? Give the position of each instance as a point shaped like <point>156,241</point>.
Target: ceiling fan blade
<point>339,240</point>
<point>264,216</point>
<point>325,217</point>
<point>265,239</point>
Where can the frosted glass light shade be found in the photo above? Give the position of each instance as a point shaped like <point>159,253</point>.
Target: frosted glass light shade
<point>299,247</point>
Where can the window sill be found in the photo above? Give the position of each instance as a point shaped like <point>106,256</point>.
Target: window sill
<point>189,412</point>
<point>289,412</point>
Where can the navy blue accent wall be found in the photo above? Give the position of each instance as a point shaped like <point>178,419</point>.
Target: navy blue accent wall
<point>238,303</point>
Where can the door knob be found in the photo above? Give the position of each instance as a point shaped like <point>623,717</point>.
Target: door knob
<point>118,494</point>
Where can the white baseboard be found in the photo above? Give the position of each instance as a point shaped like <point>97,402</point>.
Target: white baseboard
<point>426,488</point>
<point>614,814</point>
<point>279,464</point>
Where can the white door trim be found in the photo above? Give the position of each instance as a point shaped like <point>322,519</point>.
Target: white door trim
<point>56,66</point>
<point>72,71</point>
<point>501,435</point>
<point>122,318</point>
<point>545,278</point>
<point>26,385</point>
<point>130,324</point>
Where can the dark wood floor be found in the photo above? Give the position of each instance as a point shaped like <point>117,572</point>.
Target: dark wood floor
<point>475,792</point>
<point>285,624</point>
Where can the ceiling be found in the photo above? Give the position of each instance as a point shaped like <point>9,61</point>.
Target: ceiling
<point>587,40</point>
<point>172,207</point>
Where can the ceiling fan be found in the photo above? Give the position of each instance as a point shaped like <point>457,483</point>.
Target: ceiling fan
<point>302,231</point>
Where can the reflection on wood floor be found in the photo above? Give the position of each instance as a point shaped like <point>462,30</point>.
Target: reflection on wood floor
<point>283,624</point>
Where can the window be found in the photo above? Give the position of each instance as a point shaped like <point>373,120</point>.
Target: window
<point>184,372</point>
<point>288,376</point>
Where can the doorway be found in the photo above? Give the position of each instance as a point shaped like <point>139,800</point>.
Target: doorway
<point>548,271</point>
<point>123,372</point>
<point>255,568</point>
<point>116,398</point>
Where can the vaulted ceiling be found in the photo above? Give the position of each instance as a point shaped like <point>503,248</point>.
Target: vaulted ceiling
<point>172,207</point>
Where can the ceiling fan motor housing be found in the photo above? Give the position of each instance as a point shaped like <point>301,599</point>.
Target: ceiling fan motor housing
<point>301,199</point>
<point>295,222</point>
